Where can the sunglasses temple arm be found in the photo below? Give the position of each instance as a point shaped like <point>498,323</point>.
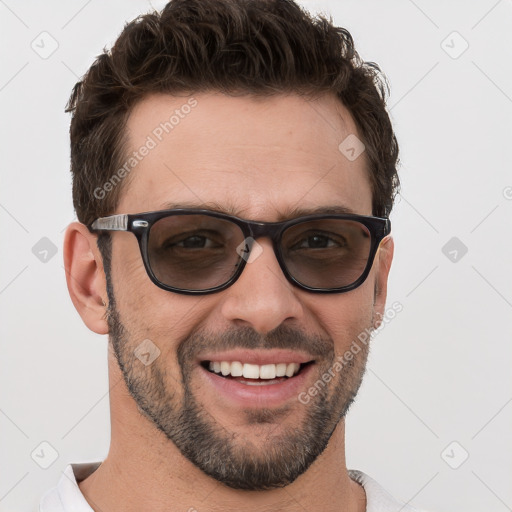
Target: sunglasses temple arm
<point>112,223</point>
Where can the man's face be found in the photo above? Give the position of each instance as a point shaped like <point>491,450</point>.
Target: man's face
<point>259,159</point>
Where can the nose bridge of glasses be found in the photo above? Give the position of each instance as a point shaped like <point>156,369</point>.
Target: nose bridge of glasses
<point>269,230</point>
<point>265,236</point>
<point>266,230</point>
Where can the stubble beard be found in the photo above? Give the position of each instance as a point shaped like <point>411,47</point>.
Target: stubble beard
<point>274,459</point>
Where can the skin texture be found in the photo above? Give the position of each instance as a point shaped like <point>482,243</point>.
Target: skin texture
<point>260,159</point>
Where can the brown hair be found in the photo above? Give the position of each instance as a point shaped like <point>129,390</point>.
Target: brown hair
<point>253,47</point>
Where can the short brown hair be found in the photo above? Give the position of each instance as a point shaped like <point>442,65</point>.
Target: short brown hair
<point>253,47</point>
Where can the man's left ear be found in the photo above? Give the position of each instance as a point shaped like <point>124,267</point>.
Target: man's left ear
<point>383,264</point>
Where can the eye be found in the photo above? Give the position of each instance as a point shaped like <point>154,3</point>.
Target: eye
<point>194,242</point>
<point>317,242</point>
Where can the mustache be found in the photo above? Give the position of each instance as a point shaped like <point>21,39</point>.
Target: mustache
<point>282,337</point>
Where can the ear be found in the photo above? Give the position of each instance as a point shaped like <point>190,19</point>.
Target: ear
<point>383,261</point>
<point>85,277</point>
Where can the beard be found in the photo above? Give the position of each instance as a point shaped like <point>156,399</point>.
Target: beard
<point>282,453</point>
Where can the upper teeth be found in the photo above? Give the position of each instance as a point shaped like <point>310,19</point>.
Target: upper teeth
<point>254,371</point>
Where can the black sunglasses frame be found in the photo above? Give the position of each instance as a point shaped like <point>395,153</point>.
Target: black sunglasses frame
<point>140,225</point>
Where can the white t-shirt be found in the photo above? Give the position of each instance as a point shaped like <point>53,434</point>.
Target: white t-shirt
<point>67,497</point>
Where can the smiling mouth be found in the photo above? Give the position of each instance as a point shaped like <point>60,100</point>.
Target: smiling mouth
<point>253,373</point>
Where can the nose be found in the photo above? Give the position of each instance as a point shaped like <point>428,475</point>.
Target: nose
<point>262,297</point>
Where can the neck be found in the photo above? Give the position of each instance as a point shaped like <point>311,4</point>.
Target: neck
<point>145,471</point>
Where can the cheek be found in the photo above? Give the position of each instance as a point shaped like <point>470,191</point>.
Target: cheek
<point>346,316</point>
<point>148,312</point>
<point>145,310</point>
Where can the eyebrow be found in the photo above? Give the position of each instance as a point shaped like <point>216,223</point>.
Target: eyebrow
<point>288,213</point>
<point>324,209</point>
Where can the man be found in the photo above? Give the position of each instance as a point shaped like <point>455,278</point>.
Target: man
<point>234,168</point>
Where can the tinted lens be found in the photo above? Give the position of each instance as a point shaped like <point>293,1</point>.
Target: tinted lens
<point>194,252</point>
<point>328,253</point>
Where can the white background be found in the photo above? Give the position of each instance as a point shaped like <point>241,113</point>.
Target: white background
<point>438,373</point>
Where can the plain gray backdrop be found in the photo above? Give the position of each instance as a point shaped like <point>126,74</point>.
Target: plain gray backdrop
<point>433,420</point>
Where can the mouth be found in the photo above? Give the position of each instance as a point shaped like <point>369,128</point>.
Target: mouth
<point>255,374</point>
<point>252,379</point>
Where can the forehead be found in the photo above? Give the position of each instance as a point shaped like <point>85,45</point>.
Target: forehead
<point>256,157</point>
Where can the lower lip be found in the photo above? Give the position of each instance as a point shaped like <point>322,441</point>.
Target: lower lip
<point>256,396</point>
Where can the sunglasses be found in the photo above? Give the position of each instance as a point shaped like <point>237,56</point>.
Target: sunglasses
<point>196,252</point>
